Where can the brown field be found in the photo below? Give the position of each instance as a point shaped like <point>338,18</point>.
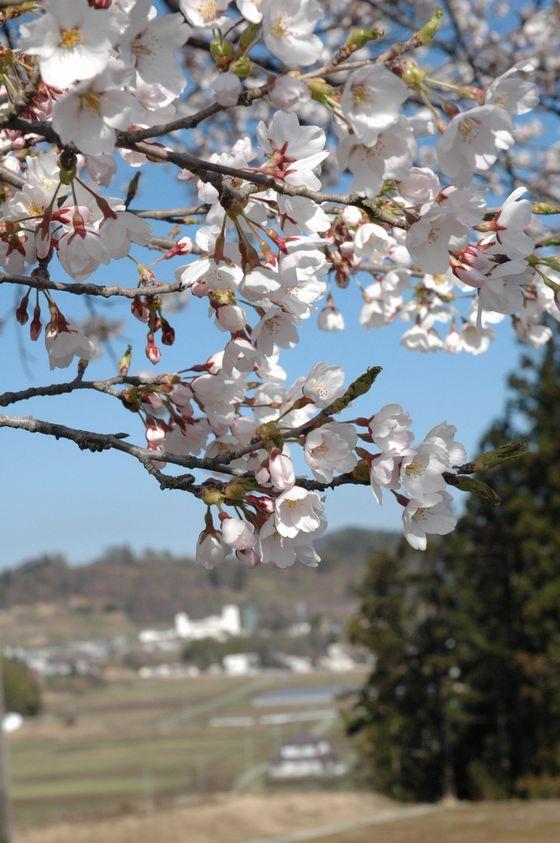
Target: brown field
<point>489,822</point>
<point>285,818</point>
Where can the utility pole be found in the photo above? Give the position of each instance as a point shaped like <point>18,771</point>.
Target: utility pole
<point>5,804</point>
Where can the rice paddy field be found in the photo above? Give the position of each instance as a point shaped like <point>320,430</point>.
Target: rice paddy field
<point>134,743</point>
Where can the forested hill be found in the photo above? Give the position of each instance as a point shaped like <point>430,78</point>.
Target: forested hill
<point>151,587</point>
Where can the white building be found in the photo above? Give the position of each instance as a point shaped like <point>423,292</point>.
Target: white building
<point>306,757</point>
<point>220,627</point>
<point>241,664</point>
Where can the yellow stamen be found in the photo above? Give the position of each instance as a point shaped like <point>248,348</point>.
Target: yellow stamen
<point>70,38</point>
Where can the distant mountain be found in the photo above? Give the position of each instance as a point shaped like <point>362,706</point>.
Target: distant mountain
<point>149,588</point>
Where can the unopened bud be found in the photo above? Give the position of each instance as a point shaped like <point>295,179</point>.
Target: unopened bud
<point>139,309</point>
<point>152,351</point>
<point>320,90</point>
<point>242,67</point>
<point>428,31</point>
<point>67,161</point>
<point>358,387</point>
<point>237,488</point>
<point>544,208</point>
<point>450,109</point>
<point>222,53</point>
<point>411,74</point>
<point>360,37</point>
<point>361,472</point>
<point>491,459</point>
<point>474,486</point>
<point>36,325</point>
<point>167,333</point>
<point>21,312</point>
<point>211,496</point>
<point>125,361</point>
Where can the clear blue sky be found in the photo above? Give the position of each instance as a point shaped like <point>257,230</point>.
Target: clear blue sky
<point>56,498</point>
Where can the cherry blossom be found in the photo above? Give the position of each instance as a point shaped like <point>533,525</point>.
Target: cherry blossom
<point>64,342</point>
<point>288,31</point>
<point>371,101</point>
<point>430,516</point>
<point>91,113</point>
<point>72,41</point>
<point>472,141</point>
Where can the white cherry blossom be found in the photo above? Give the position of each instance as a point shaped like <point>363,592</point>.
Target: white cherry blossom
<point>430,516</point>
<point>72,41</point>
<point>288,30</point>
<point>298,511</point>
<point>371,101</point>
<point>324,384</point>
<point>329,449</point>
<point>472,141</point>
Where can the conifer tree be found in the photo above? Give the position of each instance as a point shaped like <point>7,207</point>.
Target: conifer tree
<point>466,691</point>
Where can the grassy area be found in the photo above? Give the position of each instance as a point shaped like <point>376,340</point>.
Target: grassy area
<point>137,742</point>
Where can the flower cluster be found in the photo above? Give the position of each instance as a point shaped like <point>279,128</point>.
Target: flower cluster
<point>306,106</point>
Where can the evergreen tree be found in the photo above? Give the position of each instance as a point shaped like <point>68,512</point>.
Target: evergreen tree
<point>407,708</point>
<point>507,562</point>
<point>466,691</point>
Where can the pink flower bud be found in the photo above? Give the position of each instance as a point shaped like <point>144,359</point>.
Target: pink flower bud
<point>21,312</point>
<point>36,325</point>
<point>152,351</point>
<point>167,333</point>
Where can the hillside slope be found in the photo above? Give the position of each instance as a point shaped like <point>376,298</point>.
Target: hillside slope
<point>149,588</point>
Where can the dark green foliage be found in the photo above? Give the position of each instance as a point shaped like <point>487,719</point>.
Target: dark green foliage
<point>22,693</point>
<point>405,710</point>
<point>466,694</point>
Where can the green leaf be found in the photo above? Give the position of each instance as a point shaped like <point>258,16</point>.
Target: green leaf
<point>358,387</point>
<point>491,459</point>
<point>475,486</point>
<point>428,31</point>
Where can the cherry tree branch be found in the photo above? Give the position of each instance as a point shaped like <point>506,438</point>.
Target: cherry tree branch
<point>40,281</point>
<point>205,169</point>
<point>87,440</point>
<point>8,398</point>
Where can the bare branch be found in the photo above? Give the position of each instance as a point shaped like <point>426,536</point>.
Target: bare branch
<point>39,281</point>
<point>8,398</point>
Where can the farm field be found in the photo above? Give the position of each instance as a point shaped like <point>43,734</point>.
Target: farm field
<point>135,744</point>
